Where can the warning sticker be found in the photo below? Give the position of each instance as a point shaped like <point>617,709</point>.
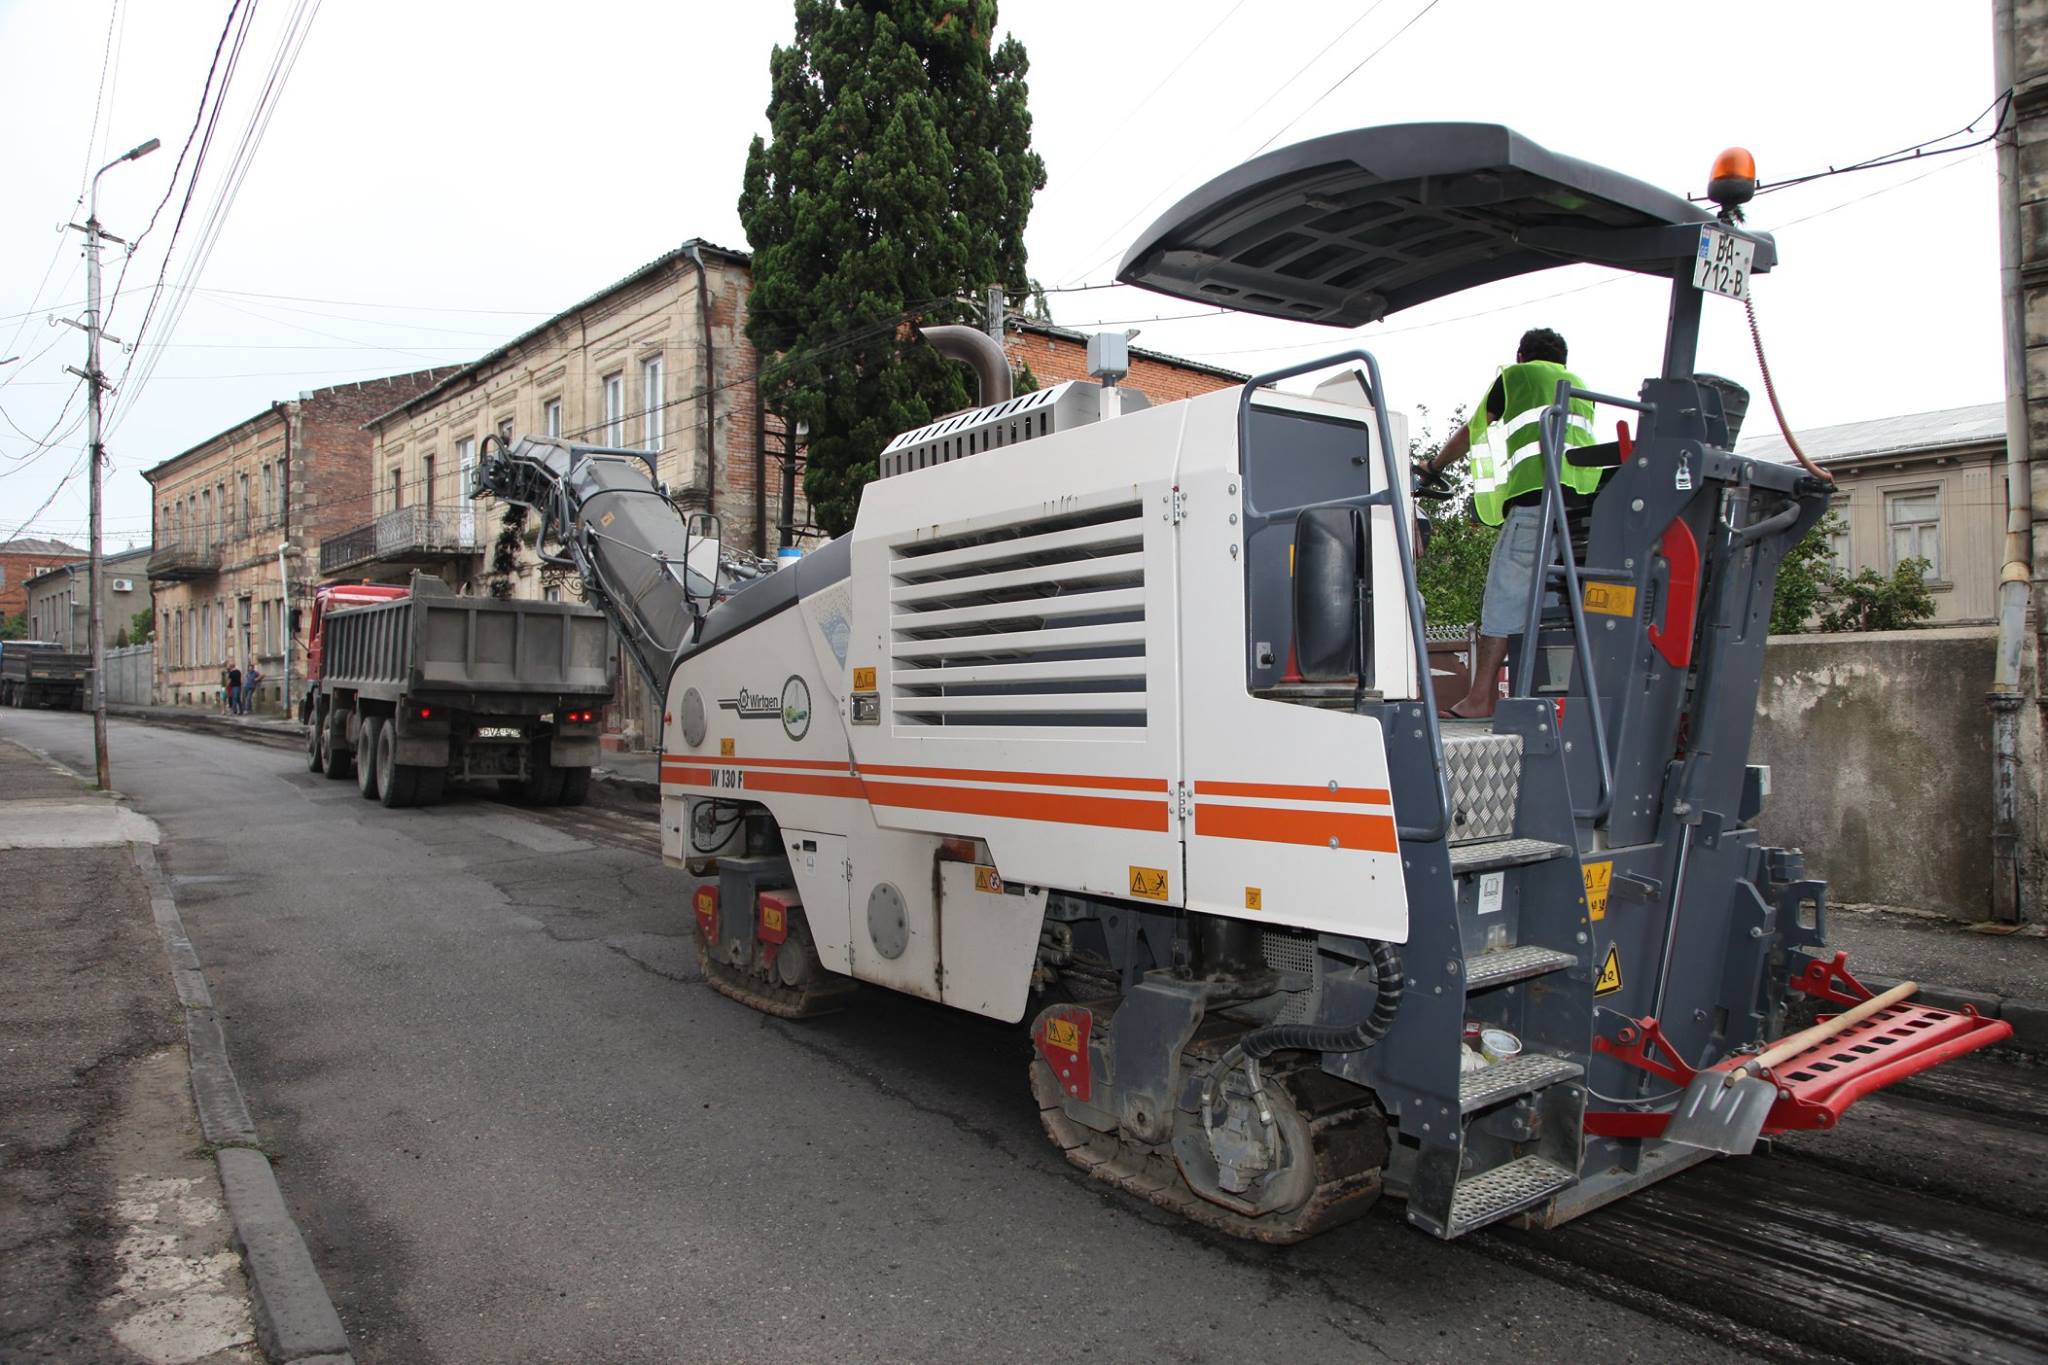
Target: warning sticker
<point>985,879</point>
<point>1599,876</point>
<point>863,679</point>
<point>726,748</point>
<point>1611,599</point>
<point>1254,898</point>
<point>1610,973</point>
<point>1149,883</point>
<point>1492,892</point>
<point>1064,1034</point>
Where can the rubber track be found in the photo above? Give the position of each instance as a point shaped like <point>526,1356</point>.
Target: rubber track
<point>772,997</point>
<point>1151,1173</point>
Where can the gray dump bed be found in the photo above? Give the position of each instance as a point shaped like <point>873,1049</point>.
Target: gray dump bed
<point>26,661</point>
<point>435,643</point>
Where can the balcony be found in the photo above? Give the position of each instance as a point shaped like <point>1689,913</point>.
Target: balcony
<point>410,535</point>
<point>181,561</point>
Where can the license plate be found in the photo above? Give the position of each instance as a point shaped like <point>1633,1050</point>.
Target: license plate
<point>1722,266</point>
<point>497,732</point>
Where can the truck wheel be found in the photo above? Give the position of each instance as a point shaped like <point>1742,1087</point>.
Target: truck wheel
<point>575,786</point>
<point>314,762</point>
<point>397,784</point>
<point>366,757</point>
<point>336,759</point>
<point>543,784</point>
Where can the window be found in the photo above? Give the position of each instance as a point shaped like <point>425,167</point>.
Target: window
<point>1839,541</point>
<point>1914,522</point>
<point>397,490</point>
<point>651,411</point>
<point>248,512</point>
<point>427,483</point>
<point>270,493</point>
<point>615,409</point>
<point>284,479</point>
<point>551,417</point>
<point>206,518</point>
<point>505,429</point>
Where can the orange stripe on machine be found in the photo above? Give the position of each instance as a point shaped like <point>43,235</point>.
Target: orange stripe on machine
<point>1281,791</point>
<point>1111,812</point>
<point>1266,825</point>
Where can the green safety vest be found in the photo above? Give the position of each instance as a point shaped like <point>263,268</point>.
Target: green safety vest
<point>1507,453</point>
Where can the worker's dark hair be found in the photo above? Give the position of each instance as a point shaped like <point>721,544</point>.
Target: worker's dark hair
<point>1540,343</point>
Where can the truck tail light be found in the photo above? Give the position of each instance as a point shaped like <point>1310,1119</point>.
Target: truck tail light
<point>705,902</point>
<point>423,713</point>
<point>579,717</point>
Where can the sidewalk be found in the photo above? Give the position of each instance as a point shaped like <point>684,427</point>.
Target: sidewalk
<point>2000,970</point>
<point>115,1243</point>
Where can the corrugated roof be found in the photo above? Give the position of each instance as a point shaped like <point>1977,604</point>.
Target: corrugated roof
<point>32,545</point>
<point>470,370</point>
<point>1908,433</point>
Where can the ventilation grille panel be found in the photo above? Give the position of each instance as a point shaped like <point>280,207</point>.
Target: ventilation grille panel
<point>1037,624</point>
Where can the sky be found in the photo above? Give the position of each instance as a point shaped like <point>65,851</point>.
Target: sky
<point>439,175</point>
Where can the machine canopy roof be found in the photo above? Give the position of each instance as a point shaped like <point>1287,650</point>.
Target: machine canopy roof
<point>1348,228</point>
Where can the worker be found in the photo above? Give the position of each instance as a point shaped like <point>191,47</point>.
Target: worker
<point>1507,491</point>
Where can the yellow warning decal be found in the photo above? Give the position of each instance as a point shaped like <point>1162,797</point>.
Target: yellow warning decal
<point>1599,876</point>
<point>1610,973</point>
<point>863,679</point>
<point>1254,898</point>
<point>1149,883</point>
<point>1611,599</point>
<point>773,919</point>
<point>607,519</point>
<point>726,748</point>
<point>1064,1034</point>
<point>985,879</point>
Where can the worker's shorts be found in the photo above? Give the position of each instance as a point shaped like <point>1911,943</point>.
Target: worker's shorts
<point>1504,610</point>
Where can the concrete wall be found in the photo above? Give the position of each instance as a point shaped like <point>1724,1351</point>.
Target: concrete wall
<point>131,675</point>
<point>1880,752</point>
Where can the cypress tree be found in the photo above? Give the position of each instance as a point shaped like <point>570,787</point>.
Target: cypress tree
<point>897,177</point>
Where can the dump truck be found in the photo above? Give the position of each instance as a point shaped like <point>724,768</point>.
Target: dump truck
<point>414,687</point>
<point>43,673</point>
<point>1117,717</point>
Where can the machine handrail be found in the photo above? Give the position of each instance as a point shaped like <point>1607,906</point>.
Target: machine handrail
<point>1396,494</point>
<point>1551,448</point>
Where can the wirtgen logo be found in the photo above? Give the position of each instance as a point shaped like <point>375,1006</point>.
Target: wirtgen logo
<point>796,707</point>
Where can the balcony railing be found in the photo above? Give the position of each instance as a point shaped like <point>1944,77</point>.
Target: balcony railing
<point>184,559</point>
<point>410,535</point>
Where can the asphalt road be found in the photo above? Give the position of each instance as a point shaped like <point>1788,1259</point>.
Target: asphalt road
<point>514,1127</point>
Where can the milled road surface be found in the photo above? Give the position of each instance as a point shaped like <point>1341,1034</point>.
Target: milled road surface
<point>514,1127</point>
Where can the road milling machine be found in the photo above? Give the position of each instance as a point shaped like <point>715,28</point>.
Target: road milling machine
<point>1115,712</point>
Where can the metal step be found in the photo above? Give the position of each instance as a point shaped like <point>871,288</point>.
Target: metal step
<point>1516,1076</point>
<point>1503,965</point>
<point>1503,1191</point>
<point>1489,855</point>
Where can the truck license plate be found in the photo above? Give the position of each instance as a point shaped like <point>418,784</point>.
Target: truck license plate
<point>497,732</point>
<point>1722,266</point>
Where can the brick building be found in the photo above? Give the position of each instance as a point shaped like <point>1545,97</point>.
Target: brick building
<point>286,478</point>
<point>1057,353</point>
<point>59,600</point>
<point>22,559</point>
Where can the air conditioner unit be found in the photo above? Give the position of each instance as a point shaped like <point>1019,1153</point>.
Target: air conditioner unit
<point>124,585</point>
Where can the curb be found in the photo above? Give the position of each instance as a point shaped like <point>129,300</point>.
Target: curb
<point>2029,1018</point>
<point>295,1319</point>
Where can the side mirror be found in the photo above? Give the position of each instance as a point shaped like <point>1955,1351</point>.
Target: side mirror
<point>1329,594</point>
<point>703,534</point>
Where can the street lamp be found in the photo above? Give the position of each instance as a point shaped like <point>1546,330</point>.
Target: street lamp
<point>95,382</point>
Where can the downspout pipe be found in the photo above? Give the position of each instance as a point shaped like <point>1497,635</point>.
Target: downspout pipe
<point>979,352</point>
<point>694,251</point>
<point>2015,578</point>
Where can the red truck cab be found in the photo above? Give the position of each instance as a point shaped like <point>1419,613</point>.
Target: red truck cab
<point>333,597</point>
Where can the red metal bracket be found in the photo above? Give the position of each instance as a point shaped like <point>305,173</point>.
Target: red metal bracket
<point>1672,637</point>
<point>1820,980</point>
<point>1061,1037</point>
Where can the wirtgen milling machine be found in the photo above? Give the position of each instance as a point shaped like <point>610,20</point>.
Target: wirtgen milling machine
<point>1113,711</point>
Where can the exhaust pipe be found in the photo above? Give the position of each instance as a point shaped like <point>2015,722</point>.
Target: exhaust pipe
<point>979,352</point>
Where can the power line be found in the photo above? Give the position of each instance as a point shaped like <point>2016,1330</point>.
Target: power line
<point>92,135</point>
<point>1348,75</point>
<point>1103,144</point>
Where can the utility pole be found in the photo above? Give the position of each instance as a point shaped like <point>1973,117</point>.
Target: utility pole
<point>95,384</point>
<point>996,304</point>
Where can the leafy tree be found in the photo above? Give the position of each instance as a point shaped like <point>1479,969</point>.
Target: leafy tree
<point>1804,577</point>
<point>897,176</point>
<point>14,627</point>
<point>142,626</point>
<point>1873,601</point>
<point>1451,573</point>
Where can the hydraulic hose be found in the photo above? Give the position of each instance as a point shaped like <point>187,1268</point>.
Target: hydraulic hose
<point>1771,391</point>
<point>1386,961</point>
